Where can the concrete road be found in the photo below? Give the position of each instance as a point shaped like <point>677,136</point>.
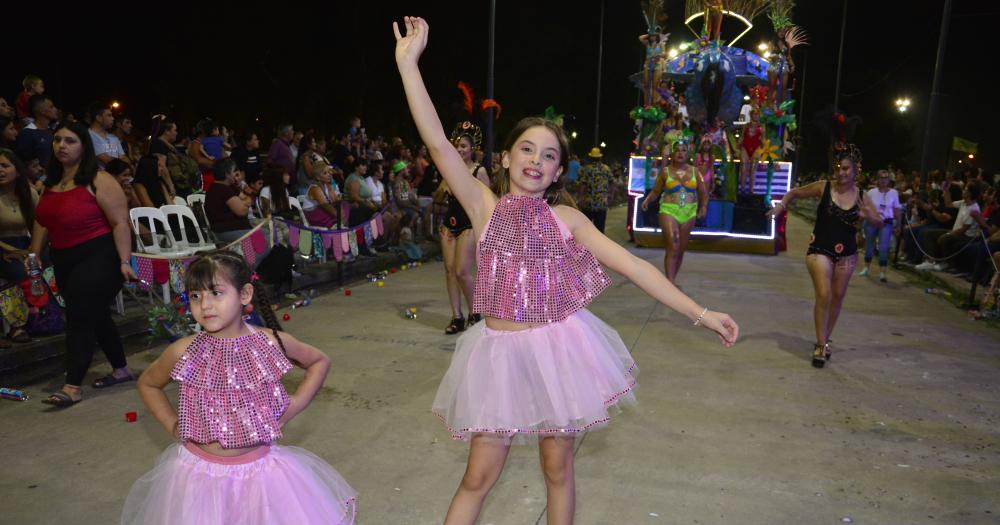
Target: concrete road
<point>901,427</point>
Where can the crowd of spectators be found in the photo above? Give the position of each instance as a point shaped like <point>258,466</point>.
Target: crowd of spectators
<point>337,180</point>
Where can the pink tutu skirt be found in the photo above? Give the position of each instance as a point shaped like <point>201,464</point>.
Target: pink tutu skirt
<point>270,485</point>
<point>558,379</point>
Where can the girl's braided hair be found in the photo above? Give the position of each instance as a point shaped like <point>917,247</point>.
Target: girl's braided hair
<point>201,276</point>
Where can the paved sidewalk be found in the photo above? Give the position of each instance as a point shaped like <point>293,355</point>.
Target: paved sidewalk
<point>901,427</point>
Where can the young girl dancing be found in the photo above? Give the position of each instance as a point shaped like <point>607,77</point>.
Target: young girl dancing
<point>541,366</point>
<point>231,408</point>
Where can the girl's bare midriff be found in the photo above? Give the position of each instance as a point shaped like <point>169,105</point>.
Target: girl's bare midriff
<point>509,326</point>
<point>215,449</point>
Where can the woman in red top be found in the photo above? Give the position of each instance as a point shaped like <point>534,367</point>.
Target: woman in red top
<point>83,215</point>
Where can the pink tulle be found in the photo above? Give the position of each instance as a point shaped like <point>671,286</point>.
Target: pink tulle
<point>558,379</point>
<point>273,485</point>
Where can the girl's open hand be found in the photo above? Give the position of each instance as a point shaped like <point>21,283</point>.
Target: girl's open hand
<point>723,325</point>
<point>410,45</point>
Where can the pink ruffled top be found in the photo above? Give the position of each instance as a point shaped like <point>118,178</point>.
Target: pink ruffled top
<point>531,270</point>
<point>230,390</point>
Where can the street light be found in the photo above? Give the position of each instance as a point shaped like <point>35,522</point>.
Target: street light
<point>115,105</point>
<point>573,135</point>
<point>763,46</point>
<point>971,156</point>
<point>902,104</point>
<point>746,98</point>
<point>603,145</point>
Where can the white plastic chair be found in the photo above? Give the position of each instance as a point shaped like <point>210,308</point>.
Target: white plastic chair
<point>297,206</point>
<point>184,212</point>
<point>196,201</point>
<point>180,201</point>
<point>152,215</point>
<point>196,197</point>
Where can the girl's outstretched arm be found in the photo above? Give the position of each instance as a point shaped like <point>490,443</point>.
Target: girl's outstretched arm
<point>646,276</point>
<point>469,191</point>
<point>155,378</point>
<point>316,365</point>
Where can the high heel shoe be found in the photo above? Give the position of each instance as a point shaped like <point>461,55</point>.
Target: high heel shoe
<point>819,355</point>
<point>457,325</point>
<point>829,352</point>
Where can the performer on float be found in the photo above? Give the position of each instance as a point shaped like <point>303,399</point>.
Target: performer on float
<point>683,198</point>
<point>226,467</point>
<point>457,241</point>
<point>750,141</point>
<point>540,367</point>
<point>656,52</point>
<point>832,254</point>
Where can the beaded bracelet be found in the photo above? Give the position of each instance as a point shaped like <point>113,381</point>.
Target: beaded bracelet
<point>700,317</point>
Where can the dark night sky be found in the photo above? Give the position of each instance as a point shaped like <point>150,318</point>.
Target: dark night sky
<point>320,64</point>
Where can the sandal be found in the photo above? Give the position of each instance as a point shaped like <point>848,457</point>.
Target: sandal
<point>19,335</point>
<point>111,380</point>
<point>473,319</point>
<point>61,399</point>
<point>457,325</point>
<point>819,355</point>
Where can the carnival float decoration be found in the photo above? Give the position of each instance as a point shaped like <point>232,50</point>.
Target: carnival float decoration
<point>709,85</point>
<point>714,75</point>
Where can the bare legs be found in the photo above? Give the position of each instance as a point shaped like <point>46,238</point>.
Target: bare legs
<point>486,460</point>
<point>556,454</point>
<point>748,164</point>
<point>459,256</point>
<point>830,286</point>
<point>675,241</point>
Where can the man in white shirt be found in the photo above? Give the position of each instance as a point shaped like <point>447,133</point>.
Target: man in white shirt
<point>887,201</point>
<point>106,144</point>
<point>964,231</point>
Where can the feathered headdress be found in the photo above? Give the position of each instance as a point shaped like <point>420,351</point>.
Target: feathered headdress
<point>469,101</point>
<point>796,36</point>
<point>655,14</point>
<point>780,13</point>
<point>468,129</point>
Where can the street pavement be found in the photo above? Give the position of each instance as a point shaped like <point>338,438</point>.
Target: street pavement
<point>901,427</point>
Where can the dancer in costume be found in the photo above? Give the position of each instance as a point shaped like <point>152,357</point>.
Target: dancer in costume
<point>704,164</point>
<point>457,242</point>
<point>832,254</point>
<point>750,142</point>
<point>231,407</point>
<point>540,367</point>
<point>683,198</point>
<point>656,52</point>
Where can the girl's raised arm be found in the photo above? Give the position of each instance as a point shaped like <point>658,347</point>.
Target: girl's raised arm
<point>468,190</point>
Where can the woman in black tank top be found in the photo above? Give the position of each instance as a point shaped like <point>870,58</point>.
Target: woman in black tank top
<point>458,243</point>
<point>832,253</point>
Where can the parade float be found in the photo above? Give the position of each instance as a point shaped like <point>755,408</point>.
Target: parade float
<point>703,90</point>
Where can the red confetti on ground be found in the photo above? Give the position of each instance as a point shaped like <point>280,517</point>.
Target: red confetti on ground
<point>392,270</point>
<point>286,317</point>
<point>130,417</point>
<point>347,293</point>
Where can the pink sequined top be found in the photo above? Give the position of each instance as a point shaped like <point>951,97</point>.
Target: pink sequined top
<point>230,390</point>
<point>531,270</point>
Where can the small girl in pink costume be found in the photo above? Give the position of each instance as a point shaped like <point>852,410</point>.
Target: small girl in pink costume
<point>541,368</point>
<point>231,407</point>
